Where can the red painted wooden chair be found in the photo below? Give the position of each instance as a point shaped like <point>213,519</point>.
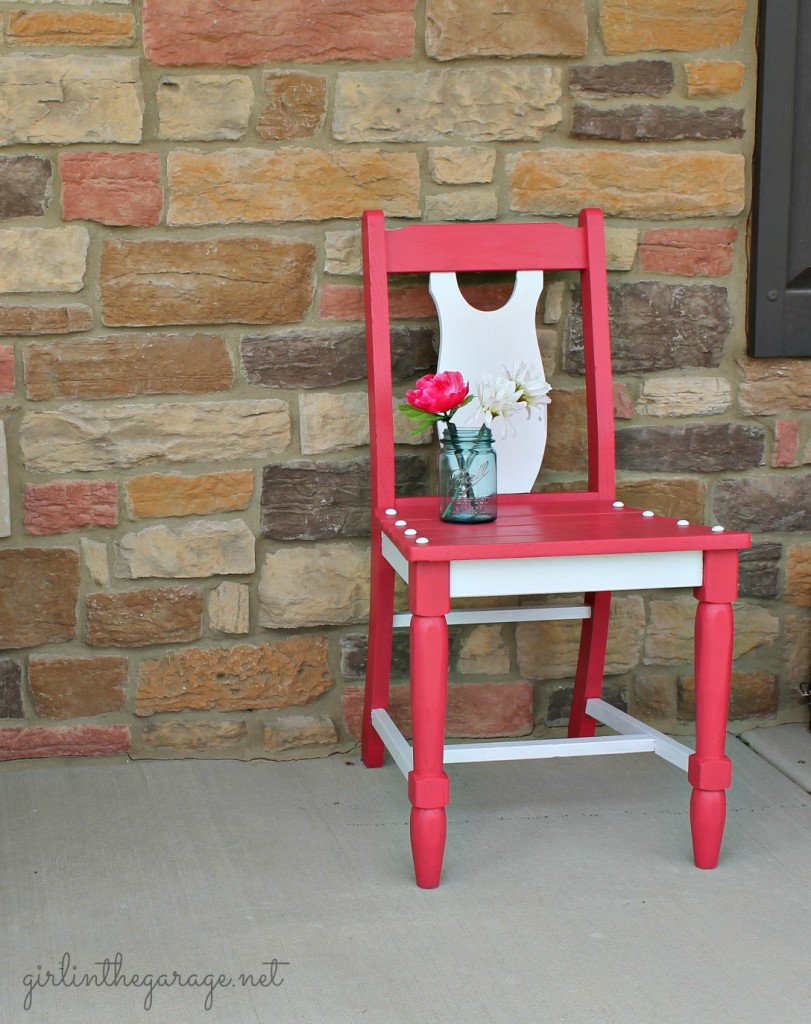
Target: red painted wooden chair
<point>548,543</point>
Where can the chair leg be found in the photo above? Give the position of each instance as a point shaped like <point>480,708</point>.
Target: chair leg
<point>588,680</point>
<point>428,785</point>
<point>710,770</point>
<point>378,662</point>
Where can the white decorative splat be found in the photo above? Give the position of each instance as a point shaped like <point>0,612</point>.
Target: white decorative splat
<point>479,343</point>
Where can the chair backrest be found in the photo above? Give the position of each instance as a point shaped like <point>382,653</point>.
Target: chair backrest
<point>476,342</point>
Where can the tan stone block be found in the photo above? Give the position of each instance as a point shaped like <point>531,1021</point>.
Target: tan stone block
<point>795,650</point>
<point>628,183</point>
<point>94,556</point>
<point>333,422</point>
<point>621,245</point>
<point>483,652</point>
<point>193,550</point>
<point>797,589</point>
<point>462,204</point>
<point>137,618</point>
<point>69,99</point>
<point>33,320</point>
<point>548,650</point>
<point>753,695</point>
<point>478,28</point>
<point>76,687</point>
<point>670,635</point>
<point>229,608</point>
<point>82,438</point>
<point>566,445</point>
<point>773,386</point>
<point>43,259</point>
<point>204,107</point>
<point>461,165</point>
<point>156,495</point>
<point>126,365</point>
<point>631,25</point>
<point>553,296</point>
<point>70,28</point>
<point>297,105</point>
<point>684,396</point>
<point>499,102</point>
<point>284,673</point>
<point>654,696</point>
<point>174,735</point>
<point>343,252</point>
<point>295,731</point>
<point>248,280</point>
<point>314,585</point>
<point>677,497</point>
<point>254,185</point>
<point>38,597</point>
<point>714,77</point>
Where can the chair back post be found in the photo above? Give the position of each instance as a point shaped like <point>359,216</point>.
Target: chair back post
<point>597,356</point>
<point>378,358</point>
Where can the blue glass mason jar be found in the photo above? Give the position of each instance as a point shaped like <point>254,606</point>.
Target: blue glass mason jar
<point>467,476</point>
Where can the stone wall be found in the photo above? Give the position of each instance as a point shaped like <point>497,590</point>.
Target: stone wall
<point>183,436</point>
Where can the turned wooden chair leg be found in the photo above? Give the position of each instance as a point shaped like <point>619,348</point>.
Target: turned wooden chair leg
<point>588,680</point>
<point>378,663</point>
<point>710,770</point>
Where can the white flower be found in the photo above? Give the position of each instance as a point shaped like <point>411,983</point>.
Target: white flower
<point>498,396</point>
<point>532,388</point>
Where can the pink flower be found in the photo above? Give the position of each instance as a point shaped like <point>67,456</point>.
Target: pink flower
<point>438,393</point>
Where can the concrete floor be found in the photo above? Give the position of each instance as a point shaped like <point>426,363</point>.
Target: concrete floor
<point>569,895</point>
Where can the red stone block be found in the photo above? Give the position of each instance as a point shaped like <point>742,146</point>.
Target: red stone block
<point>786,443</point>
<point>112,188</point>
<point>474,709</point>
<point>345,301</point>
<point>244,32</point>
<point>623,403</point>
<point>691,252</point>
<point>67,505</point>
<point>63,741</point>
<point>6,370</point>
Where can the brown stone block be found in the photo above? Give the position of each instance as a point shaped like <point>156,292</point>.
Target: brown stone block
<point>714,77</point>
<point>474,709</point>
<point>478,28</point>
<point>774,386</point>
<point>24,184</point>
<point>631,25</point>
<point>705,252</point>
<point>249,280</point>
<point>234,186</point>
<point>631,78</point>
<point>776,502</point>
<point>307,357</point>
<point>306,500</point>
<point>201,736</point>
<point>654,696</point>
<point>6,370</point>
<point>63,741</point>
<point>124,365</point>
<point>28,321</point>
<point>795,649</point>
<point>651,123</point>
<point>297,105</point>
<point>156,495</point>
<point>677,497</point>
<point>65,506</point>
<point>797,589</point>
<point>70,28</point>
<point>250,33</point>
<point>77,687</point>
<point>11,698</point>
<point>283,673</point>
<point>628,183</point>
<point>759,570</point>
<point>567,442</point>
<point>137,618</point>
<point>657,326</point>
<point>112,188</point>
<point>698,448</point>
<point>39,589</point>
<point>296,731</point>
<point>754,695</point>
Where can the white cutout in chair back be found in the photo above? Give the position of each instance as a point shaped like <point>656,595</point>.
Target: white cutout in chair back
<point>478,343</point>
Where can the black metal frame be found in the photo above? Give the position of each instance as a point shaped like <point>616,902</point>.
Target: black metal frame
<point>780,283</point>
